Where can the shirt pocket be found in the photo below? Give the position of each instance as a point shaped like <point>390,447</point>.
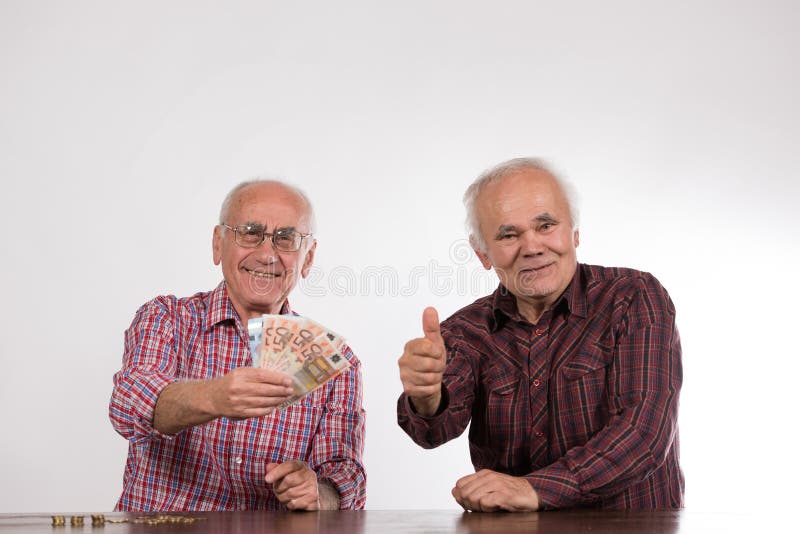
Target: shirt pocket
<point>583,392</point>
<point>503,407</point>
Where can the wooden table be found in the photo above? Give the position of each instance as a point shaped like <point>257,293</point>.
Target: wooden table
<point>428,521</point>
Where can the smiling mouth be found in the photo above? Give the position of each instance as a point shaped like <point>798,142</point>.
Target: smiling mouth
<point>259,274</point>
<point>534,270</point>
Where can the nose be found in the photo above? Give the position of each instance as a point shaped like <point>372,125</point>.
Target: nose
<point>266,252</point>
<point>530,243</point>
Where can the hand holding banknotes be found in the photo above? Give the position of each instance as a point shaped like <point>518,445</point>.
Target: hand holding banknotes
<point>296,347</point>
<point>422,365</point>
<point>243,392</point>
<point>248,392</point>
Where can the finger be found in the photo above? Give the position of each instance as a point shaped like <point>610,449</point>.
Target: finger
<point>464,501</point>
<point>465,480</point>
<point>297,491</point>
<point>275,378</point>
<point>456,493</point>
<point>427,360</point>
<point>276,473</point>
<point>306,502</point>
<point>430,325</point>
<point>296,479</point>
<point>489,502</point>
<point>254,402</point>
<point>431,382</point>
<point>422,347</point>
<point>243,386</point>
<point>478,483</point>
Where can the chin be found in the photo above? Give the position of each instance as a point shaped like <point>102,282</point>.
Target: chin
<point>535,291</point>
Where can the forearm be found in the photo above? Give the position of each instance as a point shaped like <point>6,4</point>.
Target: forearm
<point>446,423</point>
<point>615,460</point>
<point>328,496</point>
<point>182,405</point>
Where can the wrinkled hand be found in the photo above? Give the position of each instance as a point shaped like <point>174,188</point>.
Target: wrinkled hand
<point>422,365</point>
<point>490,491</point>
<point>294,484</point>
<point>249,392</point>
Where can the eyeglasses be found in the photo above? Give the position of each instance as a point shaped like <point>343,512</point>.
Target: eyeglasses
<point>251,236</point>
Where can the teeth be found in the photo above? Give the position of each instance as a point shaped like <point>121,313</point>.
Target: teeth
<point>263,275</point>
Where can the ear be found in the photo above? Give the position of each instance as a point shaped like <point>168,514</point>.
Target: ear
<point>484,259</point>
<point>576,238</point>
<point>216,244</point>
<point>309,261</point>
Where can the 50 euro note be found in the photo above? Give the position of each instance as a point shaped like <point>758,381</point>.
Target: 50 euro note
<point>303,349</point>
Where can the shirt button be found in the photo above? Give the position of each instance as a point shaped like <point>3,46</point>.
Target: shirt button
<point>237,460</point>
<point>537,382</point>
<point>539,434</point>
<point>541,331</point>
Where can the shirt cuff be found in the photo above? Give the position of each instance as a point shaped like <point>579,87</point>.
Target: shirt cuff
<point>556,486</point>
<point>147,390</point>
<point>443,405</point>
<point>349,484</point>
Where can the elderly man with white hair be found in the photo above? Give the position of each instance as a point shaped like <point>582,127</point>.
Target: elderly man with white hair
<point>203,424</point>
<point>568,374</point>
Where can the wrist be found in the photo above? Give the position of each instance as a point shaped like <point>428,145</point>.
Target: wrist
<point>329,498</point>
<point>426,406</point>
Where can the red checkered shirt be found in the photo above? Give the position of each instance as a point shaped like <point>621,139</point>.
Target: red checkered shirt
<point>220,465</point>
<point>584,404</point>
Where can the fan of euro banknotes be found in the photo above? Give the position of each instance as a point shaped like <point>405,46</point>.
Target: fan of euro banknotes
<point>303,349</point>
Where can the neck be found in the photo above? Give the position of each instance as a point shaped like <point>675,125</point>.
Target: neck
<point>531,312</point>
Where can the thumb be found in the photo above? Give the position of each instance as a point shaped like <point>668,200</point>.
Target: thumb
<point>430,325</point>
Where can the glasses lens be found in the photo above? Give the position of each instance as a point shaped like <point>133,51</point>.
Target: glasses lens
<point>287,240</point>
<point>249,236</point>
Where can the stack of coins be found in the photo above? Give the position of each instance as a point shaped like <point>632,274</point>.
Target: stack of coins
<point>59,521</point>
<point>98,520</point>
<point>76,520</point>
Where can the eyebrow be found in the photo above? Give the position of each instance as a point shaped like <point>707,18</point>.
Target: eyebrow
<point>503,228</point>
<point>545,218</point>
<point>260,226</point>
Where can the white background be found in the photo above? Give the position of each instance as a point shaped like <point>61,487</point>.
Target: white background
<point>123,125</point>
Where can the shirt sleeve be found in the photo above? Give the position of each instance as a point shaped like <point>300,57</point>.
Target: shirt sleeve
<point>148,365</point>
<point>458,393</point>
<point>338,445</point>
<point>643,381</point>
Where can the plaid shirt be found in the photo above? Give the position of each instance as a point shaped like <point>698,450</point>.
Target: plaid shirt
<point>220,465</point>
<point>583,404</point>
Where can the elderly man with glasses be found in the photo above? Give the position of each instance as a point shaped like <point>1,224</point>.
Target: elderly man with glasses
<point>202,422</point>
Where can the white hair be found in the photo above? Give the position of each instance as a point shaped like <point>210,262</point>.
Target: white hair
<point>501,170</point>
<point>226,204</point>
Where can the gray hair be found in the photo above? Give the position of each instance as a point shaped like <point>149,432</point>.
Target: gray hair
<point>226,204</point>
<point>501,170</point>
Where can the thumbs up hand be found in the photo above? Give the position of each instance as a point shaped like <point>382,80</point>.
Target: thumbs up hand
<point>422,364</point>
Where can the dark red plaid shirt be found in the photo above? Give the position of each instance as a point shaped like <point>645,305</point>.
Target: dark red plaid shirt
<point>584,404</point>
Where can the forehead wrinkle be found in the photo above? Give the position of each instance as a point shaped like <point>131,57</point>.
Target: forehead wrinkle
<point>250,202</point>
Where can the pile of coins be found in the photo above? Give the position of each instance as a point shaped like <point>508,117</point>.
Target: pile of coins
<point>99,520</point>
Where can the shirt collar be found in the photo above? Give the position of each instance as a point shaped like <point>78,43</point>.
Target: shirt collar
<point>573,300</point>
<point>220,308</point>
